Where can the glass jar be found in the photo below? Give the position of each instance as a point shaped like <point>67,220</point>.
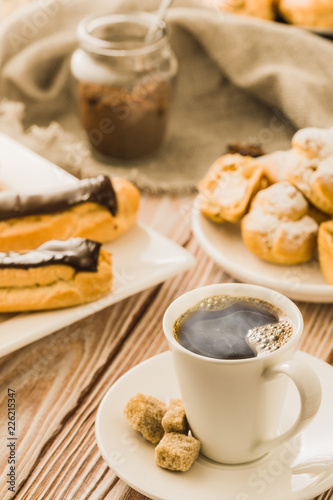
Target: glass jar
<point>125,84</point>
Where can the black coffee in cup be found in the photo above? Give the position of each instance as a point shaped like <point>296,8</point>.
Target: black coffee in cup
<point>227,327</point>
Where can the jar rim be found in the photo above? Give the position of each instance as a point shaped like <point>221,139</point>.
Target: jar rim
<point>116,49</point>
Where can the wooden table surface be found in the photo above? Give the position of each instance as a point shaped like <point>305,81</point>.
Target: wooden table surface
<point>60,380</point>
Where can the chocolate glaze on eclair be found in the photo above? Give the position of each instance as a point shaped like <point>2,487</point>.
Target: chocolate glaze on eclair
<point>78,253</point>
<point>95,190</point>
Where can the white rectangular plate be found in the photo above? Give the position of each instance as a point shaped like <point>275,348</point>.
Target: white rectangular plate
<point>141,257</point>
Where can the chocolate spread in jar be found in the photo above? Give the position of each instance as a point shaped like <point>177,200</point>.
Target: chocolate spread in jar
<point>79,253</point>
<point>125,124</point>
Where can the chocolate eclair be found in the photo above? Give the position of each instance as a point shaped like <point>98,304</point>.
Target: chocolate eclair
<point>56,274</point>
<point>95,190</point>
<point>93,208</point>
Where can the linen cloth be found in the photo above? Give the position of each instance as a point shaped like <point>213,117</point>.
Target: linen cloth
<point>240,79</point>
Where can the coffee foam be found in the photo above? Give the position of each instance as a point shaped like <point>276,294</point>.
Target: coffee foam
<point>269,338</point>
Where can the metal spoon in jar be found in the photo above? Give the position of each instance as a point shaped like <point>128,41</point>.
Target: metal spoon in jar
<point>164,5</point>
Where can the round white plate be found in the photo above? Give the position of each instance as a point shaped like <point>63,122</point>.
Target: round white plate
<point>223,243</point>
<point>298,470</point>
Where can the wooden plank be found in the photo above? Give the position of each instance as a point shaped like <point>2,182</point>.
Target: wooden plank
<point>60,380</point>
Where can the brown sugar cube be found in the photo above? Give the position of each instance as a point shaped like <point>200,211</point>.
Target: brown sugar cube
<point>144,414</point>
<point>175,419</point>
<point>177,451</point>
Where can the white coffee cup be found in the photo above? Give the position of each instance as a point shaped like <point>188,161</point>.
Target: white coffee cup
<point>235,406</point>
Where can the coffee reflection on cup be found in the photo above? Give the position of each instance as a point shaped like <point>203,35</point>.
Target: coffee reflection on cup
<point>233,347</point>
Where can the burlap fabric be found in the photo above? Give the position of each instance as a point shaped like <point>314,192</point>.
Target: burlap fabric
<point>240,79</point>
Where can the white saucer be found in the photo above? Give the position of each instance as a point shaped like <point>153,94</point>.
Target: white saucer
<point>299,470</point>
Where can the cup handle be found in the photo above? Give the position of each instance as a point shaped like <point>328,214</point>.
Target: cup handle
<point>309,388</point>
